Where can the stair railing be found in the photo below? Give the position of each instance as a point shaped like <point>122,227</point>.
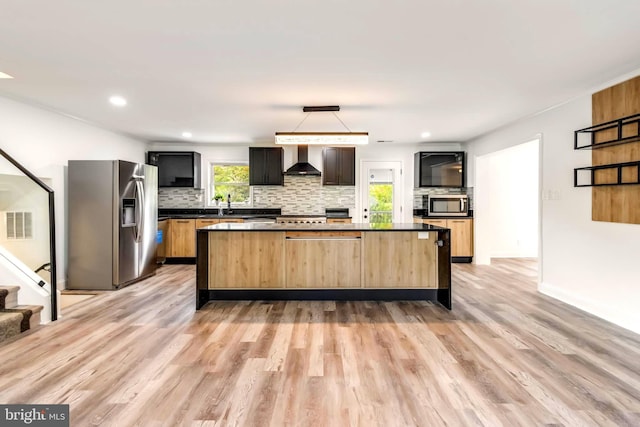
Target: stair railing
<point>52,231</point>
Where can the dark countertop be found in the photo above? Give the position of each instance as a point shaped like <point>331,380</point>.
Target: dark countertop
<point>321,227</point>
<point>421,213</point>
<point>242,213</point>
<point>208,216</point>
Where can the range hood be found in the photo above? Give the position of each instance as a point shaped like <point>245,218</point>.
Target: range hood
<point>303,167</point>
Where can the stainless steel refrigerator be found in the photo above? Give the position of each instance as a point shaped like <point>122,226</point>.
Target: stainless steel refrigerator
<point>113,215</point>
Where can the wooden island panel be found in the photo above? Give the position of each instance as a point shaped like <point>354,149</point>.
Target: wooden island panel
<point>322,260</point>
<point>246,260</point>
<point>400,260</point>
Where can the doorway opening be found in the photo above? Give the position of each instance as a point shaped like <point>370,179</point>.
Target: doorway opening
<point>381,192</point>
<point>507,203</point>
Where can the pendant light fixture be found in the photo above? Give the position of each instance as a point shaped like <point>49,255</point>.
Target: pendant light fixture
<point>322,138</point>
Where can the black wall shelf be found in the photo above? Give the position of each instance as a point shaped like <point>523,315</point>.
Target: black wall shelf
<point>590,172</point>
<point>619,125</point>
<point>630,126</point>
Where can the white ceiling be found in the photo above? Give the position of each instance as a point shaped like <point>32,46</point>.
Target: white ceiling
<point>238,71</point>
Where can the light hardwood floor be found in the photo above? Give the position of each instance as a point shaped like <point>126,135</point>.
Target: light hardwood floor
<point>505,355</point>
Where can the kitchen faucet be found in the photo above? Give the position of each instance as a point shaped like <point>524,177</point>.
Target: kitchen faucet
<point>228,203</point>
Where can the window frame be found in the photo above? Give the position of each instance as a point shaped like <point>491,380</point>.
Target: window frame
<point>210,183</point>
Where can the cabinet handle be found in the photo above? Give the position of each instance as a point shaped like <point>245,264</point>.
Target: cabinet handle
<point>183,221</point>
<point>322,239</point>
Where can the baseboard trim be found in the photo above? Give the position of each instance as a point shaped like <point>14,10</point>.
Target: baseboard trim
<point>608,313</point>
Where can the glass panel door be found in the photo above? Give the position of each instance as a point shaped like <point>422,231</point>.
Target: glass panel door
<point>381,197</point>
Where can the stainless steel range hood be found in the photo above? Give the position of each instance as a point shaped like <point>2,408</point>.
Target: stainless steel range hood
<point>303,167</point>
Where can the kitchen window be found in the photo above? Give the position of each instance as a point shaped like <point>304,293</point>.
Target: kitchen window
<point>230,178</point>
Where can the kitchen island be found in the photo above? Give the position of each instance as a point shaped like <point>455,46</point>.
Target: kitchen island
<point>324,262</point>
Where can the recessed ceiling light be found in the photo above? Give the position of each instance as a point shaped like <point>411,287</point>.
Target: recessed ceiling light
<point>187,134</point>
<point>5,76</point>
<point>425,134</point>
<point>118,101</point>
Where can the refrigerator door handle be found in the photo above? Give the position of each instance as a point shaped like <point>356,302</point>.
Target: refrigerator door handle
<point>139,207</point>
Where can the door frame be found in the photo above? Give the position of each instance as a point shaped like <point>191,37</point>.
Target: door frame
<point>481,199</point>
<point>398,186</point>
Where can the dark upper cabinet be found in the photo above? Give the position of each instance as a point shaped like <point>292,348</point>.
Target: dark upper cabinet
<point>439,169</point>
<point>176,168</point>
<point>339,166</point>
<point>265,165</point>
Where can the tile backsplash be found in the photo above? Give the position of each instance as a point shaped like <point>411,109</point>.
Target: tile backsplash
<point>300,195</point>
<point>304,195</point>
<point>176,198</point>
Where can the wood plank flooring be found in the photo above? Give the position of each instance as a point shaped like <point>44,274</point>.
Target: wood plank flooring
<point>505,356</point>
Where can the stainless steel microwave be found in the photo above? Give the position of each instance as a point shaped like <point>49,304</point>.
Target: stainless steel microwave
<point>446,205</point>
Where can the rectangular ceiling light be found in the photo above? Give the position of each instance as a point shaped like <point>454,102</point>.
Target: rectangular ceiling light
<point>5,76</point>
<point>322,138</point>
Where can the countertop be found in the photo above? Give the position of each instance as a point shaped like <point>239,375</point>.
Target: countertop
<point>421,213</point>
<point>213,216</point>
<point>321,227</point>
<point>240,213</point>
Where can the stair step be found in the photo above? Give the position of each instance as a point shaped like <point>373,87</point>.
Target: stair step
<point>30,315</point>
<point>34,320</point>
<point>8,296</point>
<point>10,323</point>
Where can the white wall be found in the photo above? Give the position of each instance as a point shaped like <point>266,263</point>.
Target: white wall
<point>507,191</point>
<point>44,141</point>
<point>592,265</point>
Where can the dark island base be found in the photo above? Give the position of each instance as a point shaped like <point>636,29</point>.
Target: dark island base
<point>180,260</point>
<point>462,259</point>
<point>443,296</point>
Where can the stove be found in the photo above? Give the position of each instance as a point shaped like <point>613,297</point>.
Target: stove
<point>294,219</point>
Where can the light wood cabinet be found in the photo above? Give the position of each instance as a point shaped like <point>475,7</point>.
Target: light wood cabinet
<point>338,220</point>
<point>399,260</point>
<point>461,237</point>
<point>242,259</point>
<point>183,238</point>
<point>322,260</point>
<point>461,234</point>
<point>205,222</point>
<point>181,234</point>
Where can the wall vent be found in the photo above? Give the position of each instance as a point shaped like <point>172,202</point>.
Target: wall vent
<point>19,225</point>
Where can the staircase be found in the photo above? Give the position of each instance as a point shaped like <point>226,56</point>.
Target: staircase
<point>14,318</point>
<point>27,233</point>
